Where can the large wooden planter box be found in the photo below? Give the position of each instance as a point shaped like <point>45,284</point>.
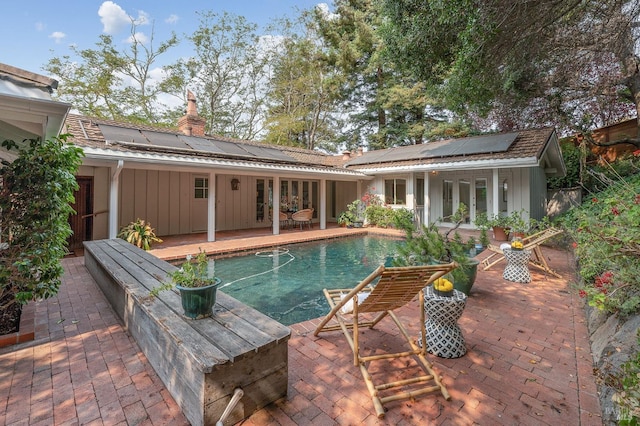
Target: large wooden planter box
<point>201,362</point>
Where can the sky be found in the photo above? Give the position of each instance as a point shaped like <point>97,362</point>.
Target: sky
<point>34,31</point>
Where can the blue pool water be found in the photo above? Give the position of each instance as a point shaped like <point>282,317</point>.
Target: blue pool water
<point>286,283</point>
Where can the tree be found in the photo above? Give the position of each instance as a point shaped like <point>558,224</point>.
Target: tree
<point>301,92</point>
<point>388,106</point>
<point>571,64</point>
<point>107,83</point>
<point>227,72</point>
<point>37,189</point>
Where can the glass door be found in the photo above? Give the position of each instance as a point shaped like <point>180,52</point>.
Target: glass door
<point>465,197</point>
<point>481,198</point>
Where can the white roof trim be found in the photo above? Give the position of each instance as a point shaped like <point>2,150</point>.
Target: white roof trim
<point>109,155</point>
<point>504,163</point>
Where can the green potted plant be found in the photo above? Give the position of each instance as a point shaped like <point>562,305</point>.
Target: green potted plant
<point>428,246</point>
<point>501,226</point>
<point>482,223</point>
<point>139,233</point>
<point>346,218</point>
<point>197,287</point>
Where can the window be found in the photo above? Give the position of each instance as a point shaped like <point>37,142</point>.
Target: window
<point>395,191</point>
<point>201,187</point>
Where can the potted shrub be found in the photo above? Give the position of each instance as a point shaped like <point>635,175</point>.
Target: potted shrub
<point>139,233</point>
<point>428,246</point>
<point>198,288</point>
<point>346,218</point>
<point>501,226</point>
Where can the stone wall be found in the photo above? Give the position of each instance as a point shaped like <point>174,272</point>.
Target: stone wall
<point>613,342</point>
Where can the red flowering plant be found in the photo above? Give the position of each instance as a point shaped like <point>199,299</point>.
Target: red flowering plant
<point>606,233</point>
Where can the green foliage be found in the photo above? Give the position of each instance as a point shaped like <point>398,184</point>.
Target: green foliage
<point>37,190</point>
<point>140,234</point>
<point>192,274</point>
<point>428,246</point>
<point>572,159</point>
<point>607,245</point>
<point>628,396</point>
<point>115,84</point>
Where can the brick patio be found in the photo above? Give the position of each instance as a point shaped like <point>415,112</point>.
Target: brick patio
<point>528,363</point>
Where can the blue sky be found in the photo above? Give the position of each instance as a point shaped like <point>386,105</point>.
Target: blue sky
<point>33,31</point>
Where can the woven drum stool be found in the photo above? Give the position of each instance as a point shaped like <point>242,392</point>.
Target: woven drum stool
<point>517,269</point>
<point>444,337</point>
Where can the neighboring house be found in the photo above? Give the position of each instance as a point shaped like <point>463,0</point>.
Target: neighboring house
<point>627,129</point>
<point>184,181</point>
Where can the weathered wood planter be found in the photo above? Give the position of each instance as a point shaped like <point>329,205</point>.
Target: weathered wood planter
<point>201,362</point>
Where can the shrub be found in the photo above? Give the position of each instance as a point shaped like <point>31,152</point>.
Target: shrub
<point>37,189</point>
<point>607,246</point>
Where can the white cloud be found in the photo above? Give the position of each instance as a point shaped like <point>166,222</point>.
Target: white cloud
<point>40,26</point>
<point>326,13</point>
<point>57,36</point>
<point>114,19</point>
<point>139,37</point>
<point>172,19</point>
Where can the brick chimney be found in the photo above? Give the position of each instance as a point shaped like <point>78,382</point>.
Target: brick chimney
<point>191,124</point>
<point>346,155</point>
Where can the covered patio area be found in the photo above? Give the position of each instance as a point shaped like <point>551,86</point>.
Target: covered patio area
<point>528,359</point>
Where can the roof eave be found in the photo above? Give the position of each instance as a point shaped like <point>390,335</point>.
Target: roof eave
<point>99,156</point>
<point>456,165</point>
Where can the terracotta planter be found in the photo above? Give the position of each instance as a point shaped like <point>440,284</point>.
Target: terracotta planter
<point>500,233</point>
<point>197,302</point>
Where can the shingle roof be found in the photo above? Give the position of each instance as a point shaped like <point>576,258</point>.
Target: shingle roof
<point>526,144</point>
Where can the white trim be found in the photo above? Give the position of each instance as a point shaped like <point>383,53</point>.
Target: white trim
<point>138,159</point>
<point>504,163</point>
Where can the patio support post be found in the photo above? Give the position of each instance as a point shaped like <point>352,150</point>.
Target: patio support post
<point>495,193</point>
<point>358,189</point>
<point>113,199</point>
<point>211,208</point>
<point>323,204</point>
<point>410,201</point>
<point>275,209</point>
<point>427,200</point>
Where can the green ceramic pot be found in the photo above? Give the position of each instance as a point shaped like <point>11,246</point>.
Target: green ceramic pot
<point>197,302</point>
<point>470,273</point>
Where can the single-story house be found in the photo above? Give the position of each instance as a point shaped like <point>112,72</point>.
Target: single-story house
<point>184,181</point>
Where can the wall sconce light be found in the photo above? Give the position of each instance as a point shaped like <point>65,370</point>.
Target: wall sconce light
<point>235,184</point>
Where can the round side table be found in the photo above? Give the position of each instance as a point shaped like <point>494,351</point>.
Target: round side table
<point>517,269</point>
<point>444,337</point>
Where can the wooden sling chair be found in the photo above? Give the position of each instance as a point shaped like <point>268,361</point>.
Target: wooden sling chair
<point>532,242</point>
<point>395,287</point>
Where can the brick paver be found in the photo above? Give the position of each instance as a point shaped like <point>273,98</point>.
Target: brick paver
<point>528,363</point>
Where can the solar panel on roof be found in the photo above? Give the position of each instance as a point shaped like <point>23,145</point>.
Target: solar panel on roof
<point>485,144</point>
<point>466,146</point>
<point>121,134</point>
<point>168,140</point>
<point>231,148</point>
<point>267,153</point>
<point>200,144</point>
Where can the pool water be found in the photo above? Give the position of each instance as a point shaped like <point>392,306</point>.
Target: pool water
<point>286,283</point>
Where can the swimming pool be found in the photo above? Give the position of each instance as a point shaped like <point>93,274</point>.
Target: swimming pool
<point>286,283</point>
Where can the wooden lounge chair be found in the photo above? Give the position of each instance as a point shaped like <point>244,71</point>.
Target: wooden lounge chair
<point>302,217</point>
<point>532,242</point>
<point>371,301</point>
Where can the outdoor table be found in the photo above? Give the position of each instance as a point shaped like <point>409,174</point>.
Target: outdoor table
<point>517,269</point>
<point>444,337</point>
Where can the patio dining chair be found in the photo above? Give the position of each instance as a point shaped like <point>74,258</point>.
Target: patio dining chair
<point>284,220</point>
<point>532,242</point>
<point>302,217</point>
<point>365,305</point>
